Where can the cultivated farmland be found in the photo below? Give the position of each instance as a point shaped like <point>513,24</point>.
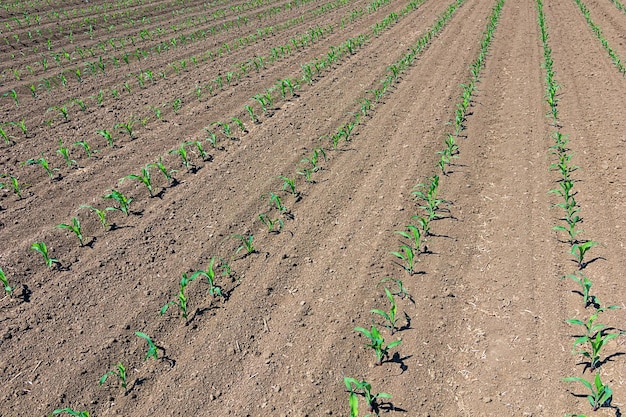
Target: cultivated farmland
<point>312,207</point>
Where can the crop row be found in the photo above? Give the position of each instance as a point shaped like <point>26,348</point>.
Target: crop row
<point>598,32</point>
<point>595,334</point>
<point>117,52</point>
<point>265,99</point>
<point>416,234</point>
<point>274,198</point>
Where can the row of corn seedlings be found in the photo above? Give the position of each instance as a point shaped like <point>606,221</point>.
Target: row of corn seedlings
<point>598,32</point>
<point>620,6</point>
<point>128,126</point>
<point>414,235</point>
<point>111,61</point>
<point>355,387</point>
<point>62,110</point>
<point>89,27</point>
<point>595,335</point>
<point>431,206</point>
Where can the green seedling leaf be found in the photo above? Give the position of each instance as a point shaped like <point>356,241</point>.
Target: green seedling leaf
<point>152,348</point>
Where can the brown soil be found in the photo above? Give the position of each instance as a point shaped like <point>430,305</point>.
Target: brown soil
<point>485,333</point>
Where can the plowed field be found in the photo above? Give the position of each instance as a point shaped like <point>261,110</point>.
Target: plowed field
<point>299,136</point>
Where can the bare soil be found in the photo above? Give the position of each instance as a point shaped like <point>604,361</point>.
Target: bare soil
<point>483,331</point>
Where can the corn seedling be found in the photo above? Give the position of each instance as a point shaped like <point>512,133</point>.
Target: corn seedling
<point>14,185</point>
<point>71,412</point>
<point>65,154</point>
<point>4,136</point>
<point>213,139</point>
<point>119,371</point>
<point>43,250</point>
<point>121,199</point>
<point>407,256</point>
<point>62,111</point>
<point>74,228</point>
<point>209,274</point>
<point>427,193</point>
<point>377,343</point>
<point>246,243</point>
<point>225,129</point>
<point>600,393</point>
<point>101,214</point>
<point>585,288</point>
<point>273,226</point>
<point>402,291</point>
<point>152,348</point>
<point>88,151</point>
<point>253,116</point>
<point>182,152</point>
<point>240,124</point>
<point>414,235</point>
<point>275,199</point>
<point>181,301</point>
<point>364,388</point>
<point>289,185</point>
<point>106,135</point>
<point>177,105</point>
<point>203,154</point>
<point>22,126</point>
<point>144,178</point>
<point>5,283</point>
<point>126,127</point>
<point>594,335</point>
<point>579,250</point>
<point>167,173</point>
<point>44,164</point>
<point>390,317</point>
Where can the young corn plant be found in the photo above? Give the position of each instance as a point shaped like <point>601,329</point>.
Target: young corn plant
<point>203,154</point>
<point>144,178</point>
<point>414,234</point>
<point>579,250</point>
<point>246,243</point>
<point>402,292</point>
<point>65,154</point>
<point>600,393</point>
<point>274,199</point>
<point>121,199</point>
<point>152,348</point>
<point>167,173</point>
<point>43,162</point>
<point>391,318</point>
<point>88,151</point>
<point>108,136</point>
<point>182,152</point>
<point>427,193</point>
<point>119,372</point>
<point>209,274</point>
<point>377,343</point>
<point>407,256</point>
<point>585,288</point>
<point>181,298</point>
<point>43,250</point>
<point>127,127</point>
<point>273,225</point>
<point>364,388</point>
<point>289,185</point>
<point>101,214</point>
<point>5,283</point>
<point>14,185</point>
<point>74,228</point>
<point>595,337</point>
<point>252,115</point>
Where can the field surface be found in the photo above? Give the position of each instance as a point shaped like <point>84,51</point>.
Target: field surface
<point>314,160</point>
